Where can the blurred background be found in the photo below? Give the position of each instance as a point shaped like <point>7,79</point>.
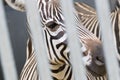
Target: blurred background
<point>18,33</point>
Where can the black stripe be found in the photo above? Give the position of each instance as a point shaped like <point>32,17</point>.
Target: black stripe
<point>47,44</point>
<point>51,43</point>
<point>117,32</point>
<point>61,68</point>
<point>62,51</point>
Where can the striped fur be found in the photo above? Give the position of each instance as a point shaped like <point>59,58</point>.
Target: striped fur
<point>89,19</point>
<point>56,41</point>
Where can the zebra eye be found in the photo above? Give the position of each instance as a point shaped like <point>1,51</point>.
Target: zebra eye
<point>52,25</point>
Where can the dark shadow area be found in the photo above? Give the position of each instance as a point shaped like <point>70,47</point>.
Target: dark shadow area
<point>1,75</point>
<point>18,34</point>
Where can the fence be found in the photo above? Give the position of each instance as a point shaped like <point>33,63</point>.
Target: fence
<point>8,64</point>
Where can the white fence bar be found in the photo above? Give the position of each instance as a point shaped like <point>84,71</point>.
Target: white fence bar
<point>6,53</point>
<point>37,36</point>
<point>74,44</point>
<point>108,39</point>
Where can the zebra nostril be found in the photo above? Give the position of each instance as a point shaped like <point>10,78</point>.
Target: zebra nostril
<point>99,61</point>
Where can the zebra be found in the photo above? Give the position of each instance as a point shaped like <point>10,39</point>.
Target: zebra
<point>58,52</point>
<point>64,68</point>
<point>90,21</point>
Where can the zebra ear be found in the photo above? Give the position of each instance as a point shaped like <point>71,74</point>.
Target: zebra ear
<point>18,5</point>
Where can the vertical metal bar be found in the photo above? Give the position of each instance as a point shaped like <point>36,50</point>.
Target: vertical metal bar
<point>6,53</point>
<point>37,36</point>
<point>108,39</point>
<point>76,54</point>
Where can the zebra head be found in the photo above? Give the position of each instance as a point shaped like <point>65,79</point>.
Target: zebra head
<point>94,57</point>
<point>56,40</point>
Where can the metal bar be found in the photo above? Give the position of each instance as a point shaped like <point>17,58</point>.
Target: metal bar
<point>37,36</point>
<point>6,53</point>
<point>108,39</point>
<point>74,44</point>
